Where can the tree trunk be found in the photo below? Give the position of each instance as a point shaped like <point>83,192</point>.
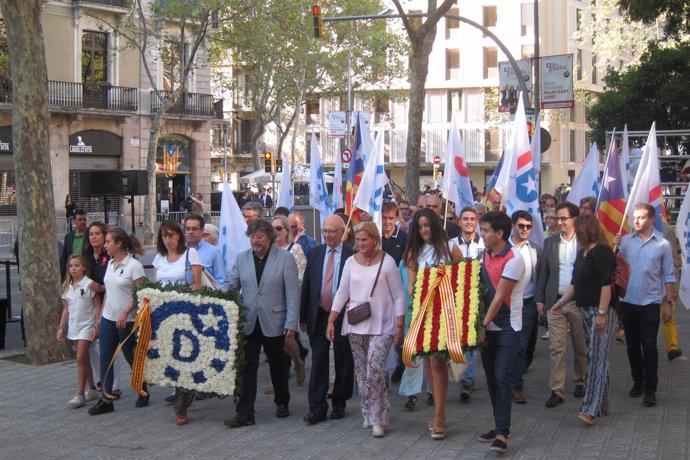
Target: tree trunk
<point>421,48</point>
<point>149,205</point>
<point>35,202</point>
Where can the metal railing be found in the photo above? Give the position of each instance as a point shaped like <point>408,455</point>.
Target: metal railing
<point>118,3</point>
<point>187,103</point>
<point>91,95</point>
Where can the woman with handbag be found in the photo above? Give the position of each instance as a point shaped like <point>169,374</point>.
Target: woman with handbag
<point>427,246</point>
<point>592,290</point>
<point>375,319</point>
<point>177,264</point>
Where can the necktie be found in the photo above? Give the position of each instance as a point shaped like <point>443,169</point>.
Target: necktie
<point>326,295</point>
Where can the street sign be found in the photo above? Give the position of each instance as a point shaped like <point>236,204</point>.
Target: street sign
<point>437,160</point>
<point>346,155</point>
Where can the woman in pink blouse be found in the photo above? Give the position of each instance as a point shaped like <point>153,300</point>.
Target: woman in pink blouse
<point>372,338</point>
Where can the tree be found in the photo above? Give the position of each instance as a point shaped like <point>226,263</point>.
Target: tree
<point>35,202</point>
<point>172,31</point>
<point>675,14</point>
<point>654,90</point>
<point>421,41</point>
<point>286,66</point>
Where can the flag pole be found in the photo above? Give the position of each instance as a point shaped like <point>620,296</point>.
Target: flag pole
<point>445,216</point>
<point>313,220</point>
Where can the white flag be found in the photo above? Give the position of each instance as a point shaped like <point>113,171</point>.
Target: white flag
<point>536,145</point>
<point>369,197</point>
<point>456,177</point>
<point>683,235</point>
<point>588,182</point>
<point>521,188</point>
<point>232,238</point>
<point>647,185</point>
<point>318,192</point>
<point>286,198</point>
<point>625,163</point>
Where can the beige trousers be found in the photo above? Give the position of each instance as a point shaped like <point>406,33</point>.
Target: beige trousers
<point>558,334</point>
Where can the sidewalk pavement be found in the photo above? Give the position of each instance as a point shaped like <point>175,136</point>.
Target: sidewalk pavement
<point>35,421</point>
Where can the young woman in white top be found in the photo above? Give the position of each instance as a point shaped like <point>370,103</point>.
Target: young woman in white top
<point>177,264</point>
<point>428,245</point>
<point>117,317</point>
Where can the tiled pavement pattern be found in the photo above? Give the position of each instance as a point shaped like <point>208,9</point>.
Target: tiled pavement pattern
<point>36,423</point>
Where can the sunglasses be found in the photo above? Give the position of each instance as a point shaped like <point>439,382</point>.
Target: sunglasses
<point>278,228</point>
<point>525,226</point>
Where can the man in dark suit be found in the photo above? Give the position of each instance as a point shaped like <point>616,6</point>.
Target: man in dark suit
<point>74,241</point>
<point>321,279</point>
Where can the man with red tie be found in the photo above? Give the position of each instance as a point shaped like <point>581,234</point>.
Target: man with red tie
<point>321,279</point>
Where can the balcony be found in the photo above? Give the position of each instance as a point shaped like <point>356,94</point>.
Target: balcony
<point>99,96</point>
<point>194,104</point>
<point>115,3</point>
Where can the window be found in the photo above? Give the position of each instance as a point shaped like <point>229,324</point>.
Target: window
<point>313,111</point>
<point>492,149</point>
<point>452,64</point>
<point>4,52</point>
<point>416,21</point>
<point>578,63</point>
<point>490,62</point>
<point>527,19</point>
<point>594,69</point>
<point>578,19</point>
<point>94,61</point>
<point>242,137</point>
<point>572,152</point>
<point>173,62</point>
<point>527,52</point>
<point>452,25</point>
<point>454,102</point>
<point>490,16</point>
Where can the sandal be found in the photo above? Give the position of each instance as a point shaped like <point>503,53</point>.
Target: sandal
<point>588,419</point>
<point>438,431</point>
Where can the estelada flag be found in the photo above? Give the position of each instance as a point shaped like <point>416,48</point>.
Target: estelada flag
<point>611,201</point>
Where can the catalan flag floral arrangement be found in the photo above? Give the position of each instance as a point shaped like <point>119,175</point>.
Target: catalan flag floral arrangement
<point>188,339</point>
<point>447,312</point>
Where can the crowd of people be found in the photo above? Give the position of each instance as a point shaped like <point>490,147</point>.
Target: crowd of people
<point>352,294</point>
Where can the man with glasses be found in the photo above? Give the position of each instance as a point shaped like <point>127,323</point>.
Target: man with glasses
<point>299,233</point>
<point>252,211</point>
<point>522,228</point>
<point>651,277</point>
<point>554,275</point>
<point>210,255</point>
<point>588,205</point>
<point>405,215</point>
<point>325,264</point>
<point>472,246</point>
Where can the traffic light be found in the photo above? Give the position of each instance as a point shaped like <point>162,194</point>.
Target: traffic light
<point>268,162</point>
<point>318,21</point>
<point>530,128</point>
<point>279,165</point>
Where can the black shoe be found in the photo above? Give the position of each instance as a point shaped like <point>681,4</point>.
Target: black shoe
<point>554,400</point>
<point>338,412</point>
<point>312,418</point>
<point>579,391</point>
<point>498,446</point>
<point>411,402</point>
<point>101,407</point>
<point>673,354</point>
<point>465,389</point>
<point>636,391</point>
<point>649,397</point>
<point>489,436</point>
<point>142,401</point>
<point>429,399</point>
<point>397,374</point>
<point>282,411</point>
<point>239,420</point>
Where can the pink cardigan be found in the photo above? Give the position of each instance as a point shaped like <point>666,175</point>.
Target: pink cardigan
<point>387,302</point>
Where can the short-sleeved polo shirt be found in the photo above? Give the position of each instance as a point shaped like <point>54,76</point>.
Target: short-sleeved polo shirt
<point>119,282</point>
<point>506,264</point>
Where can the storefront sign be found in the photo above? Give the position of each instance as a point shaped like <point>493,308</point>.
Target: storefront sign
<point>94,142</point>
<point>5,139</point>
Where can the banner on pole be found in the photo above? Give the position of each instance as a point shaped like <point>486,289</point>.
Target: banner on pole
<point>557,82</point>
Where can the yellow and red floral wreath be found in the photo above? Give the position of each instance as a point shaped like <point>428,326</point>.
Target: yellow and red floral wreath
<point>447,309</point>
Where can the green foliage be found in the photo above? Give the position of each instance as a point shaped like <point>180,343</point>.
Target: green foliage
<point>654,90</point>
<point>675,14</point>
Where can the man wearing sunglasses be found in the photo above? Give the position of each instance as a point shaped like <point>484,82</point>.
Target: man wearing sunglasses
<point>522,228</point>
<point>553,277</point>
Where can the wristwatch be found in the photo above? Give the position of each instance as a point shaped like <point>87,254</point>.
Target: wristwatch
<point>602,311</point>
<point>670,302</point>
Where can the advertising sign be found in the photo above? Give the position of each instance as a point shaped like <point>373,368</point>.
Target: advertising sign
<point>337,122</point>
<point>509,85</point>
<point>557,82</point>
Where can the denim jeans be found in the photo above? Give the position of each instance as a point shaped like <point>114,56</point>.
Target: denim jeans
<point>110,337</point>
<point>497,357</point>
<point>468,376</point>
<point>641,323</point>
<point>529,322</point>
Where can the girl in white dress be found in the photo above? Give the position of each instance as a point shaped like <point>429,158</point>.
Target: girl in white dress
<point>81,307</point>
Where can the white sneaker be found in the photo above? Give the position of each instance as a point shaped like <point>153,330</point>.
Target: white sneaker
<point>365,425</point>
<point>90,395</point>
<point>545,336</point>
<point>377,431</point>
<point>77,401</point>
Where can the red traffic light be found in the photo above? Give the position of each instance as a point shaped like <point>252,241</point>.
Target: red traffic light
<point>316,10</point>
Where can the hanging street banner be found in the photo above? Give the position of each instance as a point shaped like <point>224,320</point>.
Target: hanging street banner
<point>337,122</point>
<point>509,85</point>
<point>557,82</point>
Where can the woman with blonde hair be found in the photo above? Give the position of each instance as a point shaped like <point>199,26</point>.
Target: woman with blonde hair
<point>370,276</point>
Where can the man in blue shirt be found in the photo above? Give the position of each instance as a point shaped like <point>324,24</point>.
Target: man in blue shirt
<point>651,275</point>
<point>211,257</point>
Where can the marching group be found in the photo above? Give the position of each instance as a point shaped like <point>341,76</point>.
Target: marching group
<point>351,296</point>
